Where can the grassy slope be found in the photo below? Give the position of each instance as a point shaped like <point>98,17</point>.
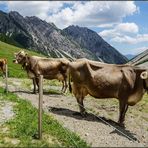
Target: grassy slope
<point>7,51</point>
<point>24,126</point>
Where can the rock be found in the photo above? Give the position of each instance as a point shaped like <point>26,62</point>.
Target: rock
<point>86,134</point>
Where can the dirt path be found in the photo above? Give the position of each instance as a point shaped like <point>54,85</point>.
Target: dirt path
<point>91,129</point>
<point>6,111</point>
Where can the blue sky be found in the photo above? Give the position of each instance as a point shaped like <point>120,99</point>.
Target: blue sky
<point>123,24</point>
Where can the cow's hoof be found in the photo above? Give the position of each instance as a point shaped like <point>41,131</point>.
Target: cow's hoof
<point>84,114</point>
<point>62,93</point>
<point>121,124</point>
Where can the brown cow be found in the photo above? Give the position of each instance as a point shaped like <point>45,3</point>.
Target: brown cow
<point>3,63</point>
<point>101,80</point>
<point>50,68</point>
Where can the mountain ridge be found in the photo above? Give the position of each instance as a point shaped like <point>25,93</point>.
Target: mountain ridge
<point>95,43</point>
<point>39,35</point>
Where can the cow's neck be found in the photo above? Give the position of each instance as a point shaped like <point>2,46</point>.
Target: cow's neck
<point>25,63</point>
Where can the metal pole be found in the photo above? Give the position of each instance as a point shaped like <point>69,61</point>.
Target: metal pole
<point>40,106</point>
<point>6,77</point>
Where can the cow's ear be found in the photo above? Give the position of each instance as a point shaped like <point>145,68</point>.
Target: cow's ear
<point>144,75</point>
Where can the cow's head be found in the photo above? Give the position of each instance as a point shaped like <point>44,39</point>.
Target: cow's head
<point>144,76</point>
<point>20,57</point>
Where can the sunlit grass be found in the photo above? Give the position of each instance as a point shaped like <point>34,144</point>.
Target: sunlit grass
<point>24,127</point>
<point>7,51</point>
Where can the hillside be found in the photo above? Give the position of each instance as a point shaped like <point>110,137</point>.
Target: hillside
<point>91,40</point>
<point>7,51</point>
<point>140,60</point>
<point>38,35</point>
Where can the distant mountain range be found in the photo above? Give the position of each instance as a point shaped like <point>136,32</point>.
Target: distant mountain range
<point>72,42</point>
<point>130,56</point>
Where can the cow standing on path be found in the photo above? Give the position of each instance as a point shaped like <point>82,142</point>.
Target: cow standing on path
<point>3,63</point>
<point>50,68</point>
<point>101,80</point>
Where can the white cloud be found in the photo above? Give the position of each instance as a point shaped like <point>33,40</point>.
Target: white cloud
<point>127,27</point>
<point>2,2</point>
<point>40,9</point>
<point>139,38</point>
<point>109,33</point>
<point>62,13</point>
<point>119,30</point>
<point>94,13</point>
<point>124,33</point>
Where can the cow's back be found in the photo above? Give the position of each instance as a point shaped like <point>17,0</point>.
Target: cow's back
<point>51,68</point>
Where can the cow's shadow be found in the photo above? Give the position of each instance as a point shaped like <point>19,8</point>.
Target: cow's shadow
<point>22,91</point>
<point>122,131</point>
<point>51,92</point>
<point>37,93</point>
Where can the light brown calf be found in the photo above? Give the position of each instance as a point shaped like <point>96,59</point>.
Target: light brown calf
<point>50,68</point>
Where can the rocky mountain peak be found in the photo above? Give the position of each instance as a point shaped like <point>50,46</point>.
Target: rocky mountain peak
<point>91,40</point>
<point>15,15</point>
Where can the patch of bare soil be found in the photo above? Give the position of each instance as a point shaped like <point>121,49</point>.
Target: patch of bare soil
<point>95,131</point>
<point>6,111</point>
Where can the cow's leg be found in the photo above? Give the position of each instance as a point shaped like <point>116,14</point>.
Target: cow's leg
<point>81,106</point>
<point>34,85</point>
<point>79,95</point>
<point>37,83</point>
<point>123,109</point>
<point>62,86</point>
<point>3,71</point>
<point>65,85</point>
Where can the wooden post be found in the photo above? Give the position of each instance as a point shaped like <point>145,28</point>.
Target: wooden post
<point>40,106</point>
<point>6,79</point>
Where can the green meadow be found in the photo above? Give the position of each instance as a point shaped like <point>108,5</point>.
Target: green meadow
<point>7,51</point>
